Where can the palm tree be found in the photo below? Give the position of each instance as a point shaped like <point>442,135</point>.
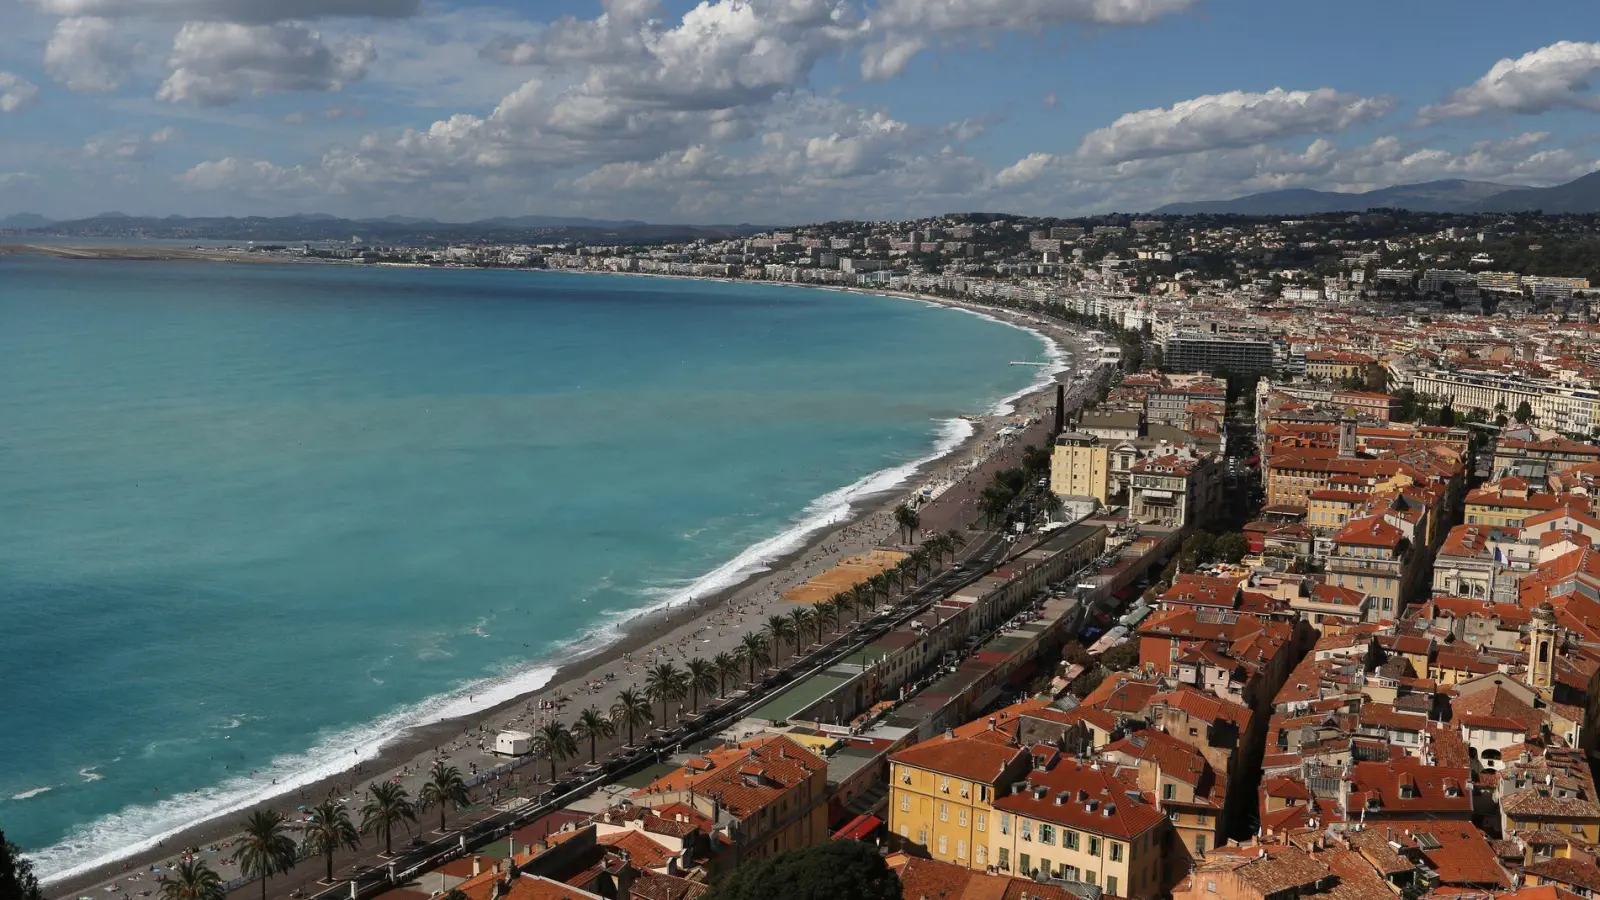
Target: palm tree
<point>845,601</point>
<point>781,630</point>
<point>592,725</point>
<point>702,676</point>
<point>387,805</point>
<point>754,649</point>
<point>863,598</point>
<point>631,710</point>
<point>725,664</point>
<point>818,622</point>
<point>881,586</point>
<point>907,520</point>
<point>827,615</point>
<point>192,880</point>
<point>331,830</point>
<point>664,683</point>
<point>555,742</point>
<point>957,539</point>
<point>266,849</point>
<point>801,620</point>
<point>444,785</point>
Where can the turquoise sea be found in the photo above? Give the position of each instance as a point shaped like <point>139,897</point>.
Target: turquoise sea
<point>256,519</point>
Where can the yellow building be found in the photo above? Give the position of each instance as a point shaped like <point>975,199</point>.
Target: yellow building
<point>1553,792</point>
<point>941,794</point>
<point>1078,821</point>
<point>1080,466</point>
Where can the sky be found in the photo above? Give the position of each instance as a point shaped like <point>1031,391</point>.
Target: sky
<point>775,111</point>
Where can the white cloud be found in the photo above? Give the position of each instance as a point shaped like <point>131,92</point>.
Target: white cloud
<point>1233,119</point>
<point>87,54</point>
<point>247,11</point>
<point>247,177</point>
<point>13,179</point>
<point>15,92</point>
<point>128,147</point>
<point>908,24</point>
<point>216,63</point>
<point>1549,78</point>
<point>1026,169</point>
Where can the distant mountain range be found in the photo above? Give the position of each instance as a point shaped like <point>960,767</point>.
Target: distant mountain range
<point>389,229</point>
<point>1454,196</point>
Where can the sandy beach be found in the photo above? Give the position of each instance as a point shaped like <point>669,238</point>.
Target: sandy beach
<point>702,627</point>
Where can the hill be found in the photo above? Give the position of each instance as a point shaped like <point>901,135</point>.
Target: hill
<point>388,230</point>
<point>1431,196</point>
<point>1580,196</point>
<point>20,221</point>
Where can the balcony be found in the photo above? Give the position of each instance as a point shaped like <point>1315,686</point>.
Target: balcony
<point>1364,566</point>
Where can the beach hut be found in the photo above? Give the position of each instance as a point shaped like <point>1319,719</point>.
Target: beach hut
<point>513,743</point>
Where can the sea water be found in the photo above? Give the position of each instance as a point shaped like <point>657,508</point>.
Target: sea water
<point>257,519</point>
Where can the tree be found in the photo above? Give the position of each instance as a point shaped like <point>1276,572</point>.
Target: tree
<point>631,710</point>
<point>265,848</point>
<point>754,649</point>
<point>827,615</point>
<point>387,805</point>
<point>835,870</point>
<point>727,664</point>
<point>1524,413</point>
<point>802,620</point>
<point>907,520</point>
<point>1121,657</point>
<point>330,830</point>
<point>191,880</point>
<point>554,741</point>
<point>18,881</point>
<point>592,725</point>
<point>1231,547</point>
<point>781,630</point>
<point>702,676</point>
<point>663,683</point>
<point>444,786</point>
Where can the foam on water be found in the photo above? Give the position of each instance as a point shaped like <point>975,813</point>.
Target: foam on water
<point>32,793</point>
<point>830,509</point>
<point>140,828</point>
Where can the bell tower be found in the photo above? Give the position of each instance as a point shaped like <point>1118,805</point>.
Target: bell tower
<point>1544,640</point>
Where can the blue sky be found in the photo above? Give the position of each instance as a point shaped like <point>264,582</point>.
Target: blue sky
<point>775,110</point>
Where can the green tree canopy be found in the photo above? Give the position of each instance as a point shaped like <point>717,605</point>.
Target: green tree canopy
<point>836,870</point>
<point>16,874</point>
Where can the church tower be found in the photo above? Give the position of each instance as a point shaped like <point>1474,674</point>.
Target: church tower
<point>1544,640</point>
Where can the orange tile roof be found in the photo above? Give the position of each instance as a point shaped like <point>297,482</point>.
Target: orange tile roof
<point>971,759</point>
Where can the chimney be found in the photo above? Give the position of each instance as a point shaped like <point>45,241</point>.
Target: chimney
<point>477,866</point>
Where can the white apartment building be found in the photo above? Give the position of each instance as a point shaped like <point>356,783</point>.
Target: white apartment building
<point>1561,406</point>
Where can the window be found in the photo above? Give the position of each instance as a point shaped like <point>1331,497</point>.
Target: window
<point>1022,864</point>
<point>1094,848</point>
<point>1088,877</point>
<point>961,817</point>
<point>1044,865</point>
<point>983,853</point>
<point>961,849</point>
<point>1203,818</point>
<point>944,785</point>
<point>903,831</point>
<point>943,847</point>
<point>1211,887</point>
<point>1169,791</point>
<point>1200,845</point>
<point>905,776</point>
<point>1069,839</point>
<point>905,803</point>
<point>944,812</point>
<point>1116,854</point>
<point>1027,830</point>
<point>1111,885</point>
<point>1005,823</point>
<point>1047,834</point>
<point>1071,873</point>
<point>922,836</point>
<point>1003,859</point>
<point>983,822</point>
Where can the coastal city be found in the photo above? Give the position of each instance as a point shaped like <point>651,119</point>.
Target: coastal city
<point>1280,584</point>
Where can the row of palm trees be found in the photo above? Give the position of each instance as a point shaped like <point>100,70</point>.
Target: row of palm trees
<point>265,847</point>
<point>665,683</point>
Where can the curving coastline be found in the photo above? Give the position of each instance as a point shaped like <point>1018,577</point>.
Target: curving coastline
<point>833,525</point>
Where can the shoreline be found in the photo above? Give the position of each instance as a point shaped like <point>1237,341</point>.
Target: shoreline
<point>576,666</point>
